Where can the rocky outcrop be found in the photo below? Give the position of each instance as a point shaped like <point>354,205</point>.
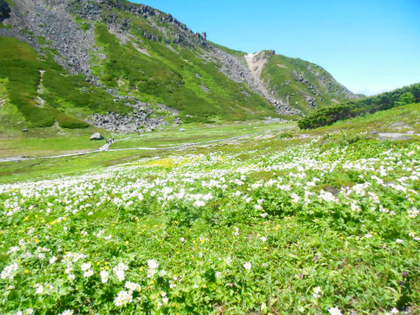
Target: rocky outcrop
<point>139,120</point>
<point>105,11</point>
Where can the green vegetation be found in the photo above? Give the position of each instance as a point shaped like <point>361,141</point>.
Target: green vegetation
<point>177,77</point>
<point>327,115</point>
<point>285,222</point>
<point>19,63</point>
<point>285,77</point>
<point>36,145</point>
<point>10,117</point>
<point>21,66</point>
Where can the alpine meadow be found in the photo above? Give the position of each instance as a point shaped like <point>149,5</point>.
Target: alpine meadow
<point>146,169</point>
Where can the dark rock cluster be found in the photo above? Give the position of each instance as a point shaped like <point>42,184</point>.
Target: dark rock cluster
<point>4,10</point>
<point>139,120</point>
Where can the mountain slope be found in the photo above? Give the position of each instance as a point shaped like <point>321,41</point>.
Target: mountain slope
<point>124,66</point>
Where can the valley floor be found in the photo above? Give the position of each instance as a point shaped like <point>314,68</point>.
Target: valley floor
<point>279,221</point>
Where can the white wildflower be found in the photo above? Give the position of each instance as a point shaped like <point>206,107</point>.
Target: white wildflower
<point>39,288</point>
<point>88,273</point>
<point>131,286</point>
<point>317,293</point>
<point>327,196</point>
<point>86,266</point>
<point>296,198</point>
<point>199,203</point>
<point>13,250</point>
<point>247,265</point>
<point>153,264</point>
<point>104,276</point>
<point>9,272</point>
<point>120,270</point>
<point>335,311</point>
<point>123,298</point>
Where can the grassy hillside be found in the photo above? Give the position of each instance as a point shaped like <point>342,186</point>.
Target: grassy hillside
<point>328,115</point>
<point>177,77</point>
<point>296,81</point>
<point>289,222</point>
<point>42,101</point>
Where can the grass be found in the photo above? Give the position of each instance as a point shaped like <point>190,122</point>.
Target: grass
<point>295,222</point>
<point>287,136</point>
<point>18,63</point>
<point>21,65</point>
<point>35,146</point>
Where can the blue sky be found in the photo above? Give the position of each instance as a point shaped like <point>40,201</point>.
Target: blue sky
<point>370,46</point>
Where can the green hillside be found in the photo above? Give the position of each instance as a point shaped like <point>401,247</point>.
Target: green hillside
<point>327,115</point>
<point>178,77</point>
<point>302,84</point>
<point>42,102</point>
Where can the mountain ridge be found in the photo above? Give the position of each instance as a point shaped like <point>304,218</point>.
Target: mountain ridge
<point>147,61</point>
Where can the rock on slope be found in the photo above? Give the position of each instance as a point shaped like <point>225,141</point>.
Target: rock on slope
<point>146,66</point>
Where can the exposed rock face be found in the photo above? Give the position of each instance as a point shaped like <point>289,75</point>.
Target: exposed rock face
<point>241,69</point>
<point>256,63</point>
<point>51,20</point>
<point>54,21</point>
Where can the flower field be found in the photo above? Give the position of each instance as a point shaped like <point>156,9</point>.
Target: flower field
<point>309,227</point>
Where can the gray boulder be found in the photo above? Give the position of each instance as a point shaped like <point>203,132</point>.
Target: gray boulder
<point>394,136</point>
<point>97,136</point>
